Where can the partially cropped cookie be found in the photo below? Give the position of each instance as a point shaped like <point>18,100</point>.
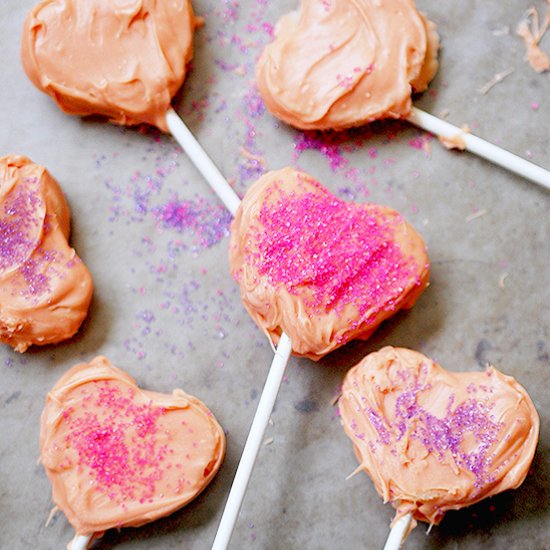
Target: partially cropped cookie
<point>45,288</point>
<point>344,63</point>
<point>320,269</point>
<point>121,59</point>
<point>120,456</point>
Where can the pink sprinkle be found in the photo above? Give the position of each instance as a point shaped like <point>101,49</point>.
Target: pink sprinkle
<point>269,29</point>
<point>421,142</point>
<point>118,445</point>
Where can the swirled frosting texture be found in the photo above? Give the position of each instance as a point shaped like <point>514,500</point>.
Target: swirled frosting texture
<point>120,456</point>
<point>341,63</point>
<point>432,440</point>
<point>322,270</point>
<point>45,288</point>
<point>123,59</point>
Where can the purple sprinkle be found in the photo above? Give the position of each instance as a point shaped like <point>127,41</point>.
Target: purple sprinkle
<point>209,223</point>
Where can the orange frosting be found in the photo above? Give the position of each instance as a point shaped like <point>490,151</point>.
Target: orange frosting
<point>532,34</point>
<point>322,270</point>
<point>124,59</point>
<point>341,63</point>
<point>45,289</point>
<point>432,440</point>
<point>120,456</point>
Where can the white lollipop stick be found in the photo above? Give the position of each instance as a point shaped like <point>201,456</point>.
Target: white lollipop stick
<point>252,445</point>
<point>398,533</point>
<point>481,147</point>
<point>276,372</point>
<point>80,542</point>
<point>202,161</point>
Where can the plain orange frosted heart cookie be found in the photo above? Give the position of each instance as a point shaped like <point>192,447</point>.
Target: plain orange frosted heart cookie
<point>123,59</point>
<point>433,440</point>
<point>320,269</point>
<point>45,289</point>
<point>342,63</point>
<point>120,456</point>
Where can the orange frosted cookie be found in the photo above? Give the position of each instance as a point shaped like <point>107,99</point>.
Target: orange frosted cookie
<point>342,63</point>
<point>45,289</point>
<point>433,440</point>
<point>122,60</point>
<point>119,456</point>
<point>320,269</point>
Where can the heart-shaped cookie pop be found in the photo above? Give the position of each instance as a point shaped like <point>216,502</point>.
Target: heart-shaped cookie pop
<point>120,456</point>
<point>124,59</point>
<point>342,63</point>
<point>320,269</point>
<point>45,288</point>
<point>432,440</point>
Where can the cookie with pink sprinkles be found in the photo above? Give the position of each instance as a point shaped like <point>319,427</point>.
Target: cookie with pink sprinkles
<point>322,270</point>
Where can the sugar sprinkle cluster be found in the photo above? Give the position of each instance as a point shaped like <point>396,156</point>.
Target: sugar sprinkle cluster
<point>465,435</point>
<point>119,443</point>
<point>19,225</point>
<point>21,231</point>
<point>333,252</point>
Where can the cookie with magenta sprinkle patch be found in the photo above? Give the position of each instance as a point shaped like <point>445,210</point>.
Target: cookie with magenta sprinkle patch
<point>45,288</point>
<point>320,269</point>
<point>433,440</point>
<point>119,456</point>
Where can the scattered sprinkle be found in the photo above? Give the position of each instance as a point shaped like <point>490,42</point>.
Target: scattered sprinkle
<point>422,142</point>
<point>209,223</point>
